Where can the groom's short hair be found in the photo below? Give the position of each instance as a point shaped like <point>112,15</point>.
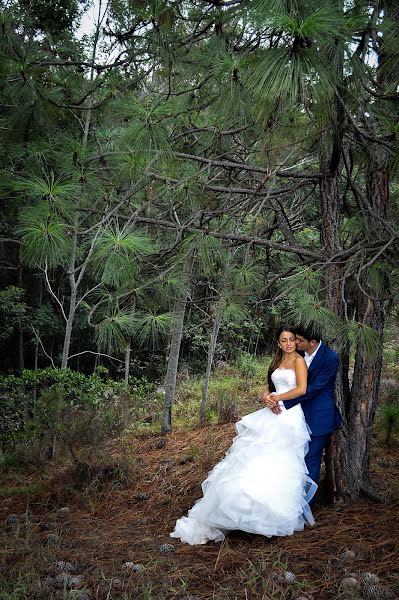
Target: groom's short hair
<point>309,333</point>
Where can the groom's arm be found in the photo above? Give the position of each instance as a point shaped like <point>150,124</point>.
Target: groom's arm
<point>325,378</point>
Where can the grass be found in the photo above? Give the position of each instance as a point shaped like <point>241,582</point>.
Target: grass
<point>242,383</point>
<point>10,460</point>
<point>24,490</point>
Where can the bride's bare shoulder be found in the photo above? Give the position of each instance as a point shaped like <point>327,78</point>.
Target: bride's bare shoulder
<point>299,361</point>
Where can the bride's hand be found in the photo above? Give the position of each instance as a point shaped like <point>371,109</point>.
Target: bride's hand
<point>269,399</point>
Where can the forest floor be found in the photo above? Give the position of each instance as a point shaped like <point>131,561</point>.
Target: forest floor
<point>121,508</point>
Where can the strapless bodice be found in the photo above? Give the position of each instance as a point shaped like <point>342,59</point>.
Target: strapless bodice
<point>284,380</point>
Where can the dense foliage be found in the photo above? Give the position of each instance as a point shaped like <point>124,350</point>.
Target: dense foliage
<point>51,410</point>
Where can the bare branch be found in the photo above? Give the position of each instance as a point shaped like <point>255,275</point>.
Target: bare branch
<point>237,190</point>
<point>50,289</point>
<point>42,347</point>
<point>362,133</point>
<point>229,164</point>
<point>369,264</point>
<point>88,292</point>
<point>8,240</point>
<point>96,353</point>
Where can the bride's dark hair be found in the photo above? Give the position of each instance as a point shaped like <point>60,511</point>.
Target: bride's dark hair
<point>279,354</point>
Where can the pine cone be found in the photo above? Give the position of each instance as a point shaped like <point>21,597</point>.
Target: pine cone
<point>133,567</point>
<point>52,539</point>
<point>377,592</point>
<point>12,520</point>
<point>64,566</point>
<point>347,554</point>
<point>350,583</point>
<point>166,548</point>
<point>75,581</point>
<point>369,578</point>
<point>62,580</point>
<point>140,497</point>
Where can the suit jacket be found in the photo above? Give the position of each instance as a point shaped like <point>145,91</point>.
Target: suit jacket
<point>318,403</point>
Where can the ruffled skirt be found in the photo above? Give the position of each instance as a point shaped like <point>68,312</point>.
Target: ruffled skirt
<point>261,486</point>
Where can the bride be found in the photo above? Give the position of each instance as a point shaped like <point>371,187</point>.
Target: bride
<point>262,484</point>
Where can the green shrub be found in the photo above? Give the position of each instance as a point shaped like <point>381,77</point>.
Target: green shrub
<point>10,460</point>
<point>389,421</point>
<point>62,407</point>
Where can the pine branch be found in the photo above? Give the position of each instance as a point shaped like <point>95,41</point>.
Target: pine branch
<point>237,190</point>
<point>228,164</point>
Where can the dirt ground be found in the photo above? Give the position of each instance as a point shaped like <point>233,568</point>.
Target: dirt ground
<point>120,506</point>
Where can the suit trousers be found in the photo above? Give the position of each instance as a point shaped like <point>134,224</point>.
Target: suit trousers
<point>315,453</point>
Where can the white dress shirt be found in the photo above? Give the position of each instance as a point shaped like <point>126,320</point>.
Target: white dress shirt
<point>309,357</point>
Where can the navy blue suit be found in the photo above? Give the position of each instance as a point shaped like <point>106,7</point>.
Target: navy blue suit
<point>318,406</point>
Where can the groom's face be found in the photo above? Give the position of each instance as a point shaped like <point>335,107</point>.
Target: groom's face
<point>302,344</point>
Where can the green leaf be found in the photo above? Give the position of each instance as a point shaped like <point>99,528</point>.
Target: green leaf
<point>44,236</point>
<point>115,250</point>
<point>58,192</point>
<point>206,249</point>
<point>112,332</point>
<point>232,311</point>
<point>151,328</point>
<point>359,336</point>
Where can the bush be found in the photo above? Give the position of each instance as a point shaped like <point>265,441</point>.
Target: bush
<point>226,407</point>
<point>389,420</point>
<point>10,460</point>
<point>60,407</point>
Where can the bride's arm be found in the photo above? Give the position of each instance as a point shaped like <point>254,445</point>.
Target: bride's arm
<point>301,373</point>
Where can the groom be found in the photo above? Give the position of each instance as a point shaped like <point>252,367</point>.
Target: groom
<point>318,404</point>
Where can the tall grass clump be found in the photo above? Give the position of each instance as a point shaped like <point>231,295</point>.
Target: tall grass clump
<point>388,411</point>
<point>234,390</point>
<point>253,367</point>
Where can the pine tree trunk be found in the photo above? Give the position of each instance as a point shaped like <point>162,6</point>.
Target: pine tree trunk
<point>68,330</point>
<point>174,350</point>
<point>211,353</point>
<point>337,452</point>
<point>336,458</point>
<point>370,306</point>
<point>365,390</point>
<point>72,303</point>
<point>370,312</point>
<point>128,350</point>
<point>21,359</point>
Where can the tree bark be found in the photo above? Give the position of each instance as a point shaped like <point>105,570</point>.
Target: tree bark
<point>350,462</point>
<point>72,303</point>
<point>128,350</point>
<point>337,451</point>
<point>68,330</point>
<point>174,349</point>
<point>336,458</point>
<point>21,358</point>
<point>211,353</point>
<point>370,310</point>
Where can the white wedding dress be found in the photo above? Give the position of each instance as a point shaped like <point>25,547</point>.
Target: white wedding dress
<point>261,486</point>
